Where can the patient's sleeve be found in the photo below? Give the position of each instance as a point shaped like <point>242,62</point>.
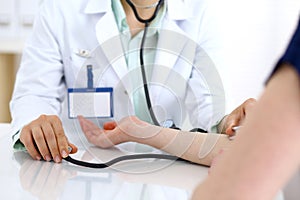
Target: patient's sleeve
<point>292,53</point>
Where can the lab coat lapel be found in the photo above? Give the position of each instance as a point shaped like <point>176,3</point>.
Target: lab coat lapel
<point>171,41</point>
<point>108,37</point>
<point>94,6</point>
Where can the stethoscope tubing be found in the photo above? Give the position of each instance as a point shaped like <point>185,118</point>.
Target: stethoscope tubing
<point>119,159</point>
<point>135,156</point>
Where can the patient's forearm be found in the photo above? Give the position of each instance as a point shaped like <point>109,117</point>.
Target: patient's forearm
<point>199,148</point>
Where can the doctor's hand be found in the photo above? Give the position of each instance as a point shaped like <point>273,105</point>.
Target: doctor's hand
<point>236,117</point>
<point>45,138</point>
<point>128,129</point>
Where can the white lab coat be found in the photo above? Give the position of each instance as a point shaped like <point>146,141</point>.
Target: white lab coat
<point>50,63</point>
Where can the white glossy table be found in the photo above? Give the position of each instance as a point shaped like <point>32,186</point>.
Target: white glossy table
<point>23,178</point>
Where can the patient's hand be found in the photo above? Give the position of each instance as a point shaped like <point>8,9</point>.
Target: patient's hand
<point>127,130</point>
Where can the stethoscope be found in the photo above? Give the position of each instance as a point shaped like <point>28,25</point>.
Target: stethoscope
<point>158,4</point>
<point>143,71</point>
<point>133,6</point>
<point>135,156</point>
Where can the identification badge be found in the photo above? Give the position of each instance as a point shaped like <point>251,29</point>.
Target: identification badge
<point>90,102</point>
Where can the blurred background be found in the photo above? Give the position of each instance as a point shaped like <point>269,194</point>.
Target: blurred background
<point>254,34</point>
<point>16,20</point>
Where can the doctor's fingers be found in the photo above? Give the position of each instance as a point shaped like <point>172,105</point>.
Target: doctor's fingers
<point>238,116</point>
<point>232,121</point>
<point>45,141</point>
<point>27,139</point>
<point>52,141</point>
<point>235,118</point>
<point>56,142</point>
<point>248,105</point>
<point>45,136</point>
<point>39,140</point>
<point>61,138</point>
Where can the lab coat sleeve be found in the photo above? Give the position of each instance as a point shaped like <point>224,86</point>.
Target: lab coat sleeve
<point>39,87</point>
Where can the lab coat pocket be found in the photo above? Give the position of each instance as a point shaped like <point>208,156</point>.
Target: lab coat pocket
<point>75,70</point>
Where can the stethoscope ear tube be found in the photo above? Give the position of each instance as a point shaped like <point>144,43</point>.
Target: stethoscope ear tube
<point>119,159</point>
<point>143,71</point>
<point>145,21</point>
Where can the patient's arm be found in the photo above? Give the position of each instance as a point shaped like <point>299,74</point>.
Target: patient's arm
<point>265,153</point>
<point>199,148</point>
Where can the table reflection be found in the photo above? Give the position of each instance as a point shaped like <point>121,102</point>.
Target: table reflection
<point>142,179</point>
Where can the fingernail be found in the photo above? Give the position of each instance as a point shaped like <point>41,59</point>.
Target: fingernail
<point>38,157</point>
<point>57,159</point>
<point>64,154</point>
<point>47,158</point>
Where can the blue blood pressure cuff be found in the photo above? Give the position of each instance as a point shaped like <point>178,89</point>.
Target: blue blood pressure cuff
<point>292,53</point>
<point>90,102</point>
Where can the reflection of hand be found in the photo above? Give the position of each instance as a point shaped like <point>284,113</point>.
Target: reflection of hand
<point>128,129</point>
<point>45,137</point>
<point>236,117</point>
<point>44,179</point>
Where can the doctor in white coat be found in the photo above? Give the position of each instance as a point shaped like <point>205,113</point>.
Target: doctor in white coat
<point>181,53</point>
